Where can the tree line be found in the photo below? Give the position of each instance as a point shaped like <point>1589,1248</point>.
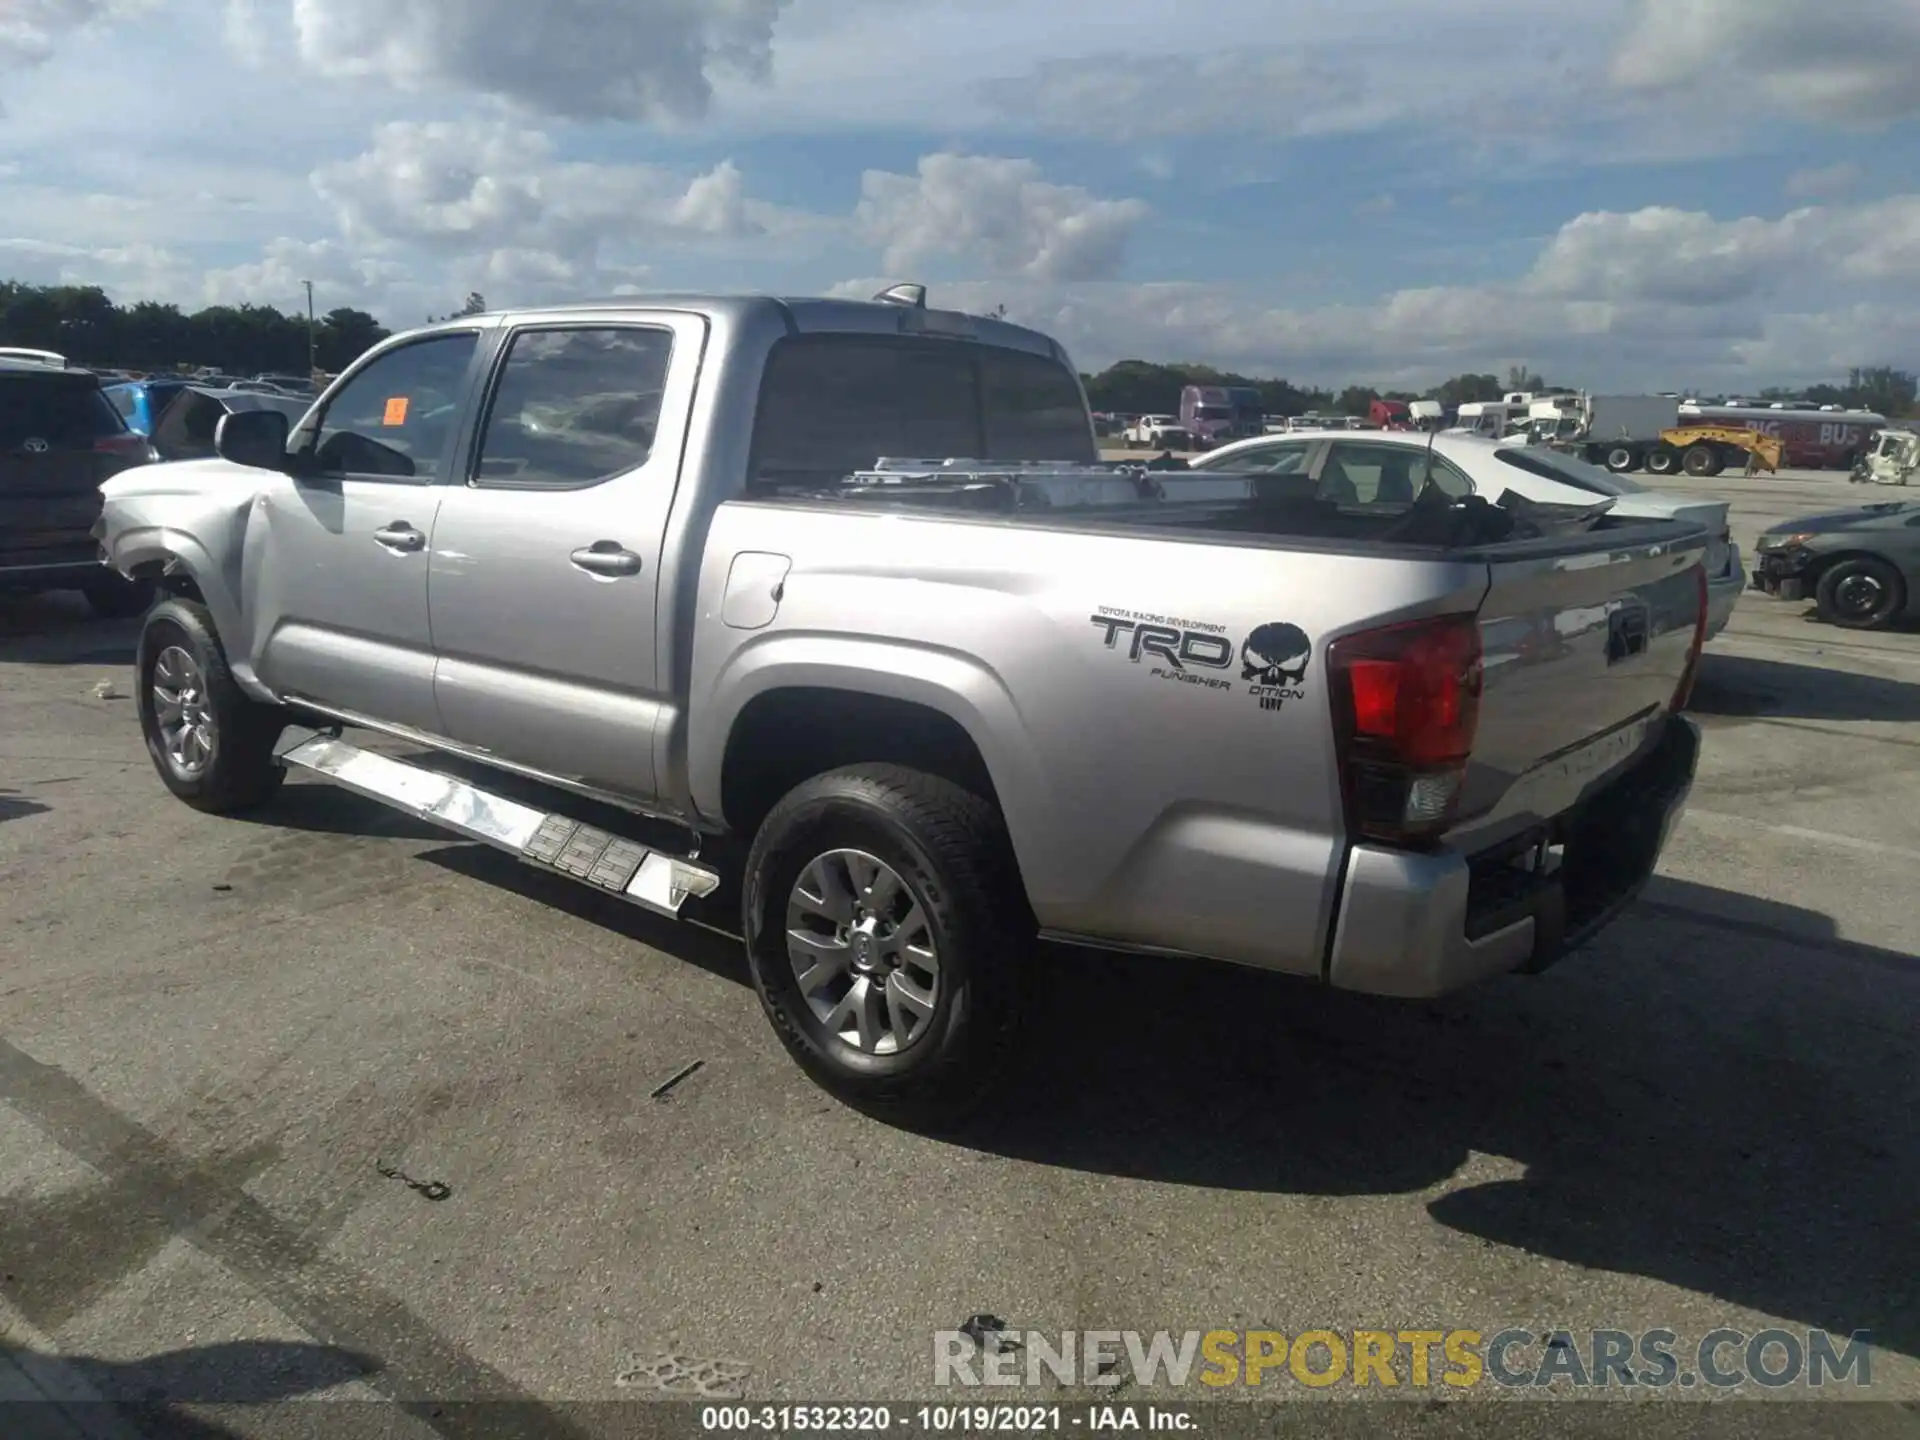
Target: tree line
<point>82,323</point>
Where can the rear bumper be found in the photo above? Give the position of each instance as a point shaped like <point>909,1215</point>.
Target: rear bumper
<point>1724,593</point>
<point>1416,925</point>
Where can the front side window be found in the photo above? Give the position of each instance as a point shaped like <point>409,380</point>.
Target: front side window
<point>395,418</point>
<point>574,407</point>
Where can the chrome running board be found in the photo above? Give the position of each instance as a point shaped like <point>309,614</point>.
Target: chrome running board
<point>544,839</point>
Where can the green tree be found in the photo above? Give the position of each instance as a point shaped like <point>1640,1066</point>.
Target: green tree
<point>344,335</point>
<point>82,323</point>
<point>1462,389</point>
<point>1881,388</point>
<point>1356,400</point>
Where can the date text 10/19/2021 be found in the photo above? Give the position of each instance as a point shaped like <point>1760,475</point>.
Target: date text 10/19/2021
<point>944,1419</point>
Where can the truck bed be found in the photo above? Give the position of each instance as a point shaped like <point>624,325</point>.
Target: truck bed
<point>1104,630</point>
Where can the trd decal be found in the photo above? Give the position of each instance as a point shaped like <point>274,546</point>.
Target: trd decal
<point>1190,652</point>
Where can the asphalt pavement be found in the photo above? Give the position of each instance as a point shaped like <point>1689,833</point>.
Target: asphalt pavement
<point>219,1036</point>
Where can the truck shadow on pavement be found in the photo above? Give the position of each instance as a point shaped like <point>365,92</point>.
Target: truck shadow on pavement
<point>142,1397</point>
<point>57,629</point>
<point>1718,1094</point>
<point>1738,687</point>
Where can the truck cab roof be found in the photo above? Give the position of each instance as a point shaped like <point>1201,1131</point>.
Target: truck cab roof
<point>795,314</point>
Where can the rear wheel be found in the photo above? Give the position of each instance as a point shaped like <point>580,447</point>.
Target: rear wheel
<point>1622,458</point>
<point>1702,460</point>
<point>1663,460</point>
<point>888,938</point>
<point>211,743</point>
<point>1863,593</point>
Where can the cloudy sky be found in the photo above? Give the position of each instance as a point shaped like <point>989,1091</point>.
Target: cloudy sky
<point>1657,193</point>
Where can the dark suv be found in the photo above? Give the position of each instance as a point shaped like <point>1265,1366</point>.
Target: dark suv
<point>59,438</point>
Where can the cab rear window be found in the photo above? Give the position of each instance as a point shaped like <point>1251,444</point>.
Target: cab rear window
<point>833,404</point>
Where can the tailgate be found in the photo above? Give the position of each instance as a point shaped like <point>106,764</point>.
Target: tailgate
<point>50,470</point>
<point>1583,654</point>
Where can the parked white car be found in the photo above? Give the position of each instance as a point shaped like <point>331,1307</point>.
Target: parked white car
<point>1385,465</point>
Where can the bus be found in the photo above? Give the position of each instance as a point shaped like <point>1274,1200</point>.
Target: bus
<point>1812,437</point>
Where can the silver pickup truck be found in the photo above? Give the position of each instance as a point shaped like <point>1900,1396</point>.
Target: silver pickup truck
<point>651,562</point>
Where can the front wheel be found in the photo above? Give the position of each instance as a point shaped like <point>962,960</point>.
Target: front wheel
<point>889,939</point>
<point>1863,593</point>
<point>211,743</point>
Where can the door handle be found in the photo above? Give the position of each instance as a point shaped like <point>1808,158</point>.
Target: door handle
<point>606,557</point>
<point>401,536</point>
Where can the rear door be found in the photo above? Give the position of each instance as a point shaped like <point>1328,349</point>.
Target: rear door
<point>546,555</point>
<point>59,438</point>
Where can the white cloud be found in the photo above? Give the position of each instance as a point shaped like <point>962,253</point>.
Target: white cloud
<point>999,212</point>
<point>1657,298</point>
<point>137,269</point>
<point>585,59</point>
<point>339,275</point>
<point>31,29</point>
<point>1833,60</point>
<point>499,195</point>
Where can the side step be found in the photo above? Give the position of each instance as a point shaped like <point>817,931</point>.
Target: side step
<point>548,841</point>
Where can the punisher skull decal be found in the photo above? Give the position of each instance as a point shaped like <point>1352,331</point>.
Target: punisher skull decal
<point>1276,654</point>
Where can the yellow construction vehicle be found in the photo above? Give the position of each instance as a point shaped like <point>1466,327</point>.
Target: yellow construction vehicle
<point>1702,450</point>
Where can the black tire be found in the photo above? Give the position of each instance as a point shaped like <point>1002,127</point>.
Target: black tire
<point>950,848</point>
<point>115,598</point>
<point>1663,460</point>
<point>240,772</point>
<point>1622,459</point>
<point>1861,593</point>
<point>1702,461</point>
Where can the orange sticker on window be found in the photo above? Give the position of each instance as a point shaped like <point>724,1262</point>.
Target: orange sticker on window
<point>396,411</point>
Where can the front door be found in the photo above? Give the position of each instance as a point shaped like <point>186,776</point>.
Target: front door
<point>546,559</point>
<point>335,566</point>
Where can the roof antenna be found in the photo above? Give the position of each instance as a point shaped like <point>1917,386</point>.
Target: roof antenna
<point>914,297</point>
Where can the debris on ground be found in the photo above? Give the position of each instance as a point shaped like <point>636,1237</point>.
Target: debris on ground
<point>685,1375</point>
<point>425,1189</point>
<point>663,1090</point>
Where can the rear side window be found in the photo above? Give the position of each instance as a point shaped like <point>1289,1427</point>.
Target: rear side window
<point>58,409</point>
<point>121,399</point>
<point>573,407</point>
<point>832,404</point>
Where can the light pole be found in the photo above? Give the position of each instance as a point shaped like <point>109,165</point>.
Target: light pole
<point>313,357</point>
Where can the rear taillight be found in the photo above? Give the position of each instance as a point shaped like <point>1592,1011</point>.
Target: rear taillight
<point>129,446</point>
<point>1684,691</point>
<point>1406,701</point>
